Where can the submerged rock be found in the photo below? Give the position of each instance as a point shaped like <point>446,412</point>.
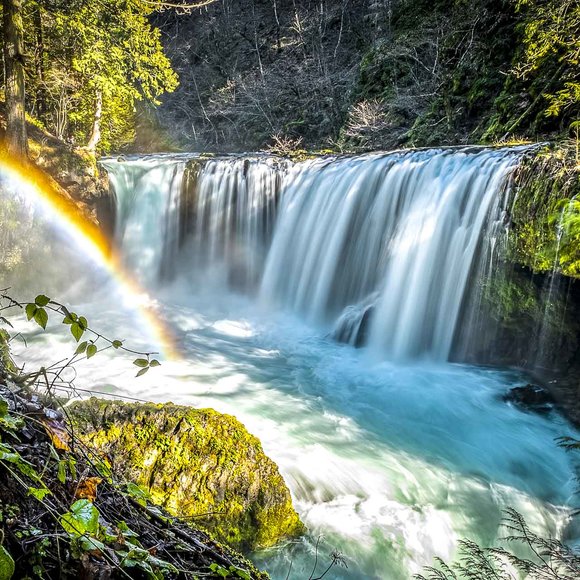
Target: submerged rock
<point>194,462</point>
<point>530,398</point>
<point>353,325</point>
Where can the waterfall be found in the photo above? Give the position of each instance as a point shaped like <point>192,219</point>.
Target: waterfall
<point>214,218</point>
<point>147,196</point>
<point>383,249</point>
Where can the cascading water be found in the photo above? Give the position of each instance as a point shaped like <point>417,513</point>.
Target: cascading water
<point>408,231</point>
<point>391,463</point>
<point>210,216</point>
<point>409,226</point>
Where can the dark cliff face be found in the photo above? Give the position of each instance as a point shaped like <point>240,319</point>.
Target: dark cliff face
<point>350,74</point>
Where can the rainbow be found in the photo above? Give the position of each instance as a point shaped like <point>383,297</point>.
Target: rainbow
<point>91,240</point>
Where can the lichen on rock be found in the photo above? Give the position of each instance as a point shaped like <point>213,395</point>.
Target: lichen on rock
<point>196,463</point>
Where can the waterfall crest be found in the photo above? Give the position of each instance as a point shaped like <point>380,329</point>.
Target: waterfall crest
<point>386,249</point>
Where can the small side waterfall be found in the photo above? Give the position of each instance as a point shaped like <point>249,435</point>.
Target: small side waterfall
<point>387,249</point>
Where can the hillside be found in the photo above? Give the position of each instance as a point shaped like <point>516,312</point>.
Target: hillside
<point>368,74</point>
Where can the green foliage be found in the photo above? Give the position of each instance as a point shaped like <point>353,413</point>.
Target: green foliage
<point>8,422</point>
<point>145,364</point>
<point>548,558</point>
<point>7,566</point>
<point>231,572</point>
<point>92,55</point>
<point>551,38</point>
<point>569,226</point>
<point>83,518</point>
<point>545,232</point>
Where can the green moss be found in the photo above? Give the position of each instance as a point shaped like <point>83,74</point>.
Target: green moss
<point>197,463</point>
<point>6,361</point>
<point>545,232</point>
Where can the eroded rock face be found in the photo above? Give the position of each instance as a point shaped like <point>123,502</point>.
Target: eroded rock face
<point>194,462</point>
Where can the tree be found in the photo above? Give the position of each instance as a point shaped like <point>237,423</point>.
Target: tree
<point>551,42</point>
<point>91,62</point>
<point>13,48</point>
<point>114,58</point>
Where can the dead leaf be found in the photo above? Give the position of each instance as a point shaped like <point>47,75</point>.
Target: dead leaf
<point>87,488</point>
<point>57,432</point>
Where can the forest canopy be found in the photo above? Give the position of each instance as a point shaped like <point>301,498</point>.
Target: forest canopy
<point>335,74</point>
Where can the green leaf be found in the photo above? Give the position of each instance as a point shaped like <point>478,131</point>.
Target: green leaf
<point>117,344</point>
<point>76,331</point>
<point>8,454</point>
<point>41,318</point>
<point>38,492</point>
<point>41,300</point>
<point>141,362</point>
<point>83,322</point>
<point>72,466</point>
<point>6,564</point>
<point>83,518</point>
<point>219,570</point>
<point>81,347</point>
<point>61,474</point>
<point>30,310</point>
<point>240,573</point>
<point>142,372</point>
<point>3,407</point>
<point>126,530</point>
<point>137,492</point>
<point>10,423</point>
<point>154,363</point>
<point>91,350</point>
<point>69,318</point>
<point>90,544</point>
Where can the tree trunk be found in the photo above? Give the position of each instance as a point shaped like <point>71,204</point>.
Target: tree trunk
<point>16,140</point>
<point>96,133</point>
<point>39,64</point>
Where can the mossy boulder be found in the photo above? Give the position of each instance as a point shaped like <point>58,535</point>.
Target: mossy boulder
<point>196,463</point>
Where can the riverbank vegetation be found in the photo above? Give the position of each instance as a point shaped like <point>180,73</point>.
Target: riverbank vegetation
<point>69,509</point>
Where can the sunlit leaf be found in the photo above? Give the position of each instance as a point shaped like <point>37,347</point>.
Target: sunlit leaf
<point>41,300</point>
<point>38,492</point>
<point>81,347</point>
<point>91,350</point>
<point>83,518</point>
<point>30,310</point>
<point>41,318</point>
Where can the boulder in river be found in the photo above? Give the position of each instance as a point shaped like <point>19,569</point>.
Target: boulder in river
<point>530,398</point>
<point>195,463</point>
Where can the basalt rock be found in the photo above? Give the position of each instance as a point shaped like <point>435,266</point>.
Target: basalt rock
<point>195,463</point>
